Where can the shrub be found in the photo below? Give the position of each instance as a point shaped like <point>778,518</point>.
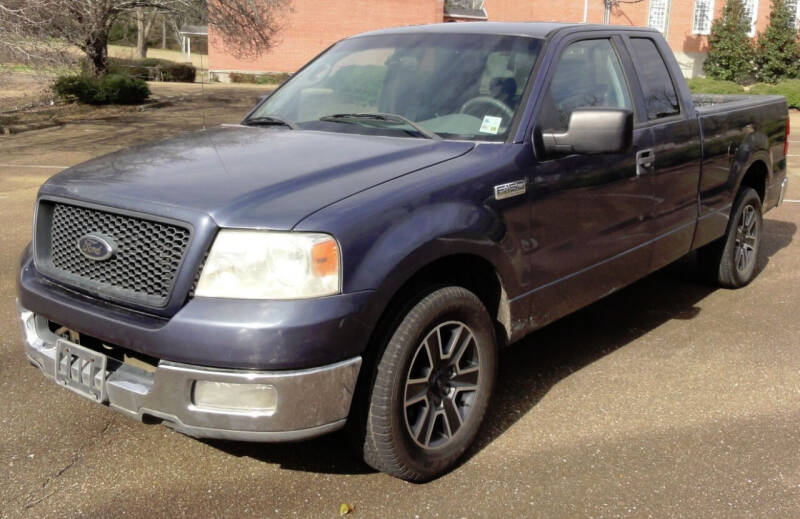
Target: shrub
<point>182,72</point>
<point>240,77</point>
<point>731,54</point>
<point>359,84</point>
<point>704,85</point>
<point>789,88</point>
<point>123,90</point>
<point>110,89</point>
<point>83,89</point>
<point>153,69</point>
<point>778,54</point>
<point>268,78</point>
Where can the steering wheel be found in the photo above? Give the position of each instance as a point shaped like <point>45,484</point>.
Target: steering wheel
<point>489,101</point>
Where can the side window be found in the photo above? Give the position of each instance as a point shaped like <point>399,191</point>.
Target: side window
<point>587,74</point>
<point>662,100</point>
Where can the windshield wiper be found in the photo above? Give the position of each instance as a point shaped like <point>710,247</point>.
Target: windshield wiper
<point>268,120</point>
<point>391,118</point>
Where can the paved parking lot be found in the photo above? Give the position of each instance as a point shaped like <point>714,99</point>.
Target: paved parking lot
<point>665,399</point>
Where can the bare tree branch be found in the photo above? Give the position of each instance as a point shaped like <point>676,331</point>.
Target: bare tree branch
<point>44,30</point>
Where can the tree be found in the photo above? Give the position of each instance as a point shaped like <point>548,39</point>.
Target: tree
<point>144,22</point>
<point>778,52</point>
<point>731,53</point>
<point>42,29</point>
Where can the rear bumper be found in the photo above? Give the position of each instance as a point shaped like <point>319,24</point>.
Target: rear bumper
<point>310,402</point>
<point>782,194</point>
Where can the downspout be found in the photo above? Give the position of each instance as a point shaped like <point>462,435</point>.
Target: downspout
<point>585,10</point>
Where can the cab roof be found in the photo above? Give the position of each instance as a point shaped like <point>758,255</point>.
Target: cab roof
<point>528,29</point>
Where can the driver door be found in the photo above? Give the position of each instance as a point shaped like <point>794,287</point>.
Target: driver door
<point>589,212</point>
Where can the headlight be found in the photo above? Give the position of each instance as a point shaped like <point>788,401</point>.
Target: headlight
<point>270,265</point>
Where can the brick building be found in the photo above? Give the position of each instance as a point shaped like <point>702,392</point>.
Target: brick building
<point>313,25</point>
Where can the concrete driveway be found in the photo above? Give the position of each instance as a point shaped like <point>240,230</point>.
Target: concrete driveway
<point>665,399</point>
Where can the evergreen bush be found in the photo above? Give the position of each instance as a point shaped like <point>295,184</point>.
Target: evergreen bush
<point>778,52</point>
<point>731,55</point>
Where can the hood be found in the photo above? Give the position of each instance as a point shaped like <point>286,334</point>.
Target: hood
<point>248,176</point>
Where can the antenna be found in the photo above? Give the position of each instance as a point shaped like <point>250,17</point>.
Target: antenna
<point>203,89</point>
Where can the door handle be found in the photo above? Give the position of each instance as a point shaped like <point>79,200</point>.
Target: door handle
<point>645,159</point>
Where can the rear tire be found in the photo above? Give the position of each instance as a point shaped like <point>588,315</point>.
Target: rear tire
<point>432,386</point>
<point>731,261</point>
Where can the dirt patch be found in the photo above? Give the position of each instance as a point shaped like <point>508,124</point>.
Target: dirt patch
<point>48,113</point>
<point>58,114</point>
<point>20,90</point>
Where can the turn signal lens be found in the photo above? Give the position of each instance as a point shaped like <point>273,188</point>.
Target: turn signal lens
<point>325,258</point>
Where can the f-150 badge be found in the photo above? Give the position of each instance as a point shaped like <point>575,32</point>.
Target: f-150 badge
<point>510,189</point>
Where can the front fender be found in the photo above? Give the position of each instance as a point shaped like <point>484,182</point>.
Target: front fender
<point>390,232</point>
<point>427,234</point>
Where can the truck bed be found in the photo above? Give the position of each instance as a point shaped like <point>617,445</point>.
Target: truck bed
<point>711,104</point>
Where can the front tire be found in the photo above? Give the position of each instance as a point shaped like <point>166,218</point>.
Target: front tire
<point>731,261</point>
<point>432,386</point>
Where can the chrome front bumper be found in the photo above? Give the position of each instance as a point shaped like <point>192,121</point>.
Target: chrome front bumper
<point>311,402</point>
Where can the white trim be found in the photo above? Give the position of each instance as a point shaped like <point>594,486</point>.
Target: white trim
<point>709,17</point>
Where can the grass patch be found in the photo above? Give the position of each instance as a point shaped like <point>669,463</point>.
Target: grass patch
<point>21,68</point>
<point>704,85</point>
<point>789,88</point>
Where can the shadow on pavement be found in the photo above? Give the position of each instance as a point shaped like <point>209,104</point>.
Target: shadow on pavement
<point>530,368</point>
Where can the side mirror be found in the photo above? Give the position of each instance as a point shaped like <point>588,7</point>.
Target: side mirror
<point>591,131</point>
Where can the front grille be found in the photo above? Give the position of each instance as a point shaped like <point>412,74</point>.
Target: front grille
<point>144,267</point>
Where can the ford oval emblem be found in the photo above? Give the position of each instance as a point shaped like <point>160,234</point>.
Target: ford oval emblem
<point>96,246</point>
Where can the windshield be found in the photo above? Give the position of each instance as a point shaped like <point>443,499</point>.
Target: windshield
<point>450,86</point>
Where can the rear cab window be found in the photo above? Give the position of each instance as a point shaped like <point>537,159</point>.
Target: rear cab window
<point>660,96</point>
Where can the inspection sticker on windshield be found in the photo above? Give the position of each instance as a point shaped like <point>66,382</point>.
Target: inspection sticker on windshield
<point>490,124</point>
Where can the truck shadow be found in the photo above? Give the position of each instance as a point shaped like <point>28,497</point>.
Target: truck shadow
<point>530,368</point>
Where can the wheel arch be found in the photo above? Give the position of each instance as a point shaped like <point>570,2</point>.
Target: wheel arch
<point>468,269</point>
<point>756,176</point>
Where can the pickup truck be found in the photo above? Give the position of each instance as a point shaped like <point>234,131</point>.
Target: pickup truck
<point>354,252</point>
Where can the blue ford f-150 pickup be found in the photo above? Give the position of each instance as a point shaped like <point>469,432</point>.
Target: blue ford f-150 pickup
<point>356,250</point>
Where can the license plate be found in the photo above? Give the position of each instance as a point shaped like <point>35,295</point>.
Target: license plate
<point>81,370</point>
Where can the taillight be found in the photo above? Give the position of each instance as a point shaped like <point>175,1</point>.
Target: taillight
<point>786,140</point>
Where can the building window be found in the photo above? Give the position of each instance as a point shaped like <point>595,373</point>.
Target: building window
<point>794,7</point>
<point>657,17</point>
<point>703,14</point>
<point>751,11</point>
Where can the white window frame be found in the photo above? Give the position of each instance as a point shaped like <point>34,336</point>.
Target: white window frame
<point>658,4</point>
<point>708,6</point>
<point>796,11</point>
<point>752,6</point>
